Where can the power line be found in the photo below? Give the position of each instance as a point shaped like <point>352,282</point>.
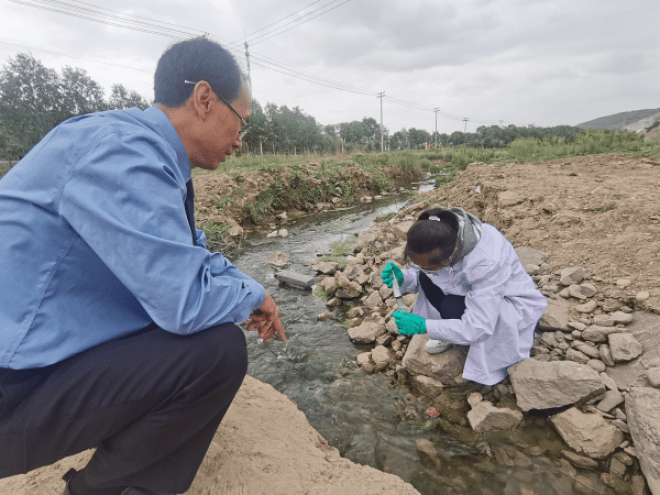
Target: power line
<point>273,23</point>
<point>299,24</point>
<point>143,24</point>
<point>79,58</point>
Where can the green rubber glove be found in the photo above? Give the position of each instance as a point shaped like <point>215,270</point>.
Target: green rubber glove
<point>408,323</point>
<point>389,272</point>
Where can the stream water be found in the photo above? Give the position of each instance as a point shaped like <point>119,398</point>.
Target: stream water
<point>357,413</point>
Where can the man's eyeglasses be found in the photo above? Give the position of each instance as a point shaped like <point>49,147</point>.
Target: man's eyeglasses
<point>245,125</point>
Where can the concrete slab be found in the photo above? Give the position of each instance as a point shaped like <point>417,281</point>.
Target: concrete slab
<point>294,279</point>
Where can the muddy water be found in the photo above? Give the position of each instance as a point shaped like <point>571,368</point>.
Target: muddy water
<point>357,412</point>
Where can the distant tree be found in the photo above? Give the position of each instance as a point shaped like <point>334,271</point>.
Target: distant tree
<point>10,146</point>
<point>30,100</point>
<point>34,98</point>
<point>418,137</point>
<point>121,98</point>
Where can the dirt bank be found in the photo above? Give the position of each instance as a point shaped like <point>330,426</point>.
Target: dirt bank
<point>264,446</point>
<point>601,212</point>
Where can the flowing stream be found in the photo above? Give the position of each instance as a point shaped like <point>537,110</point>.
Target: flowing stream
<point>357,413</point>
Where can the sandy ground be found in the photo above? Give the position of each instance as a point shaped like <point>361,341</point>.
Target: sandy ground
<point>265,445</point>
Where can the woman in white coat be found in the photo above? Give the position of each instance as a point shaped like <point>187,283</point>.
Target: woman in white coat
<point>473,291</point>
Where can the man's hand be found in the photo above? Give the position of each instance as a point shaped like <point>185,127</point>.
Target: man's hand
<point>266,319</point>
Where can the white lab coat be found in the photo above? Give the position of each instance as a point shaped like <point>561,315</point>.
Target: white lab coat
<point>502,307</point>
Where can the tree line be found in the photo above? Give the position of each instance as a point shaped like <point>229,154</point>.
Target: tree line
<point>35,98</point>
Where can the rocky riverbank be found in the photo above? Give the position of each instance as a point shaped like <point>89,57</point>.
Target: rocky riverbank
<point>594,373</point>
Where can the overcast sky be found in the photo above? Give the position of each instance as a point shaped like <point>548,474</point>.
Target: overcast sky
<point>541,62</point>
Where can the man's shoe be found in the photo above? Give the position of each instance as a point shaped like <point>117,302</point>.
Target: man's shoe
<point>437,346</point>
<point>67,477</point>
<point>128,491</point>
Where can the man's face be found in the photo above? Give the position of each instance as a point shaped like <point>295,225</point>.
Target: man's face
<point>220,134</point>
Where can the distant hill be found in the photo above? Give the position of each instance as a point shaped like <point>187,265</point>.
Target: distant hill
<point>619,121</point>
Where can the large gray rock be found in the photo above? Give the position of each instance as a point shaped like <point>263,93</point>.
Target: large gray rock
<point>443,367</point>
<point>573,275</point>
<point>396,255</point>
<point>278,259</point>
<point>382,354</point>
<point>646,329</point>
<point>544,385</point>
<point>556,315</point>
<point>485,417</point>
<point>587,433</point>
<point>326,267</point>
<point>624,346</point>
<point>368,332</point>
<point>364,239</point>
<point>401,229</point>
<point>644,424</point>
<point>347,289</point>
<point>529,256</point>
<point>373,300</point>
<point>295,279</point>
<point>596,333</point>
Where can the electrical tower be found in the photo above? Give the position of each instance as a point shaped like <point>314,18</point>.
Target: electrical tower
<point>381,95</point>
<point>436,127</point>
<point>465,119</point>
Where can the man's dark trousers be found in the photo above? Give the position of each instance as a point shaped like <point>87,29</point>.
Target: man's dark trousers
<point>149,403</point>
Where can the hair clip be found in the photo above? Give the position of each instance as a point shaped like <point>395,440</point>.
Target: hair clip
<point>434,217</point>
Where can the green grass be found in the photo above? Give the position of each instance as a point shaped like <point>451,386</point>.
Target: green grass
<point>588,142</point>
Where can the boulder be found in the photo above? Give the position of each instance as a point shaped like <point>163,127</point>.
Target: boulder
<point>544,385</point>
<point>327,283</point>
<point>484,417</point>
<point>278,259</point>
<point>624,346</point>
<point>428,386</point>
<point>556,315</point>
<point>326,267</point>
<point>401,229</point>
<point>644,423</point>
<point>395,255</point>
<point>529,256</point>
<point>368,332</point>
<point>364,239</point>
<point>443,367</point>
<point>382,354</point>
<point>595,333</point>
<point>373,300</point>
<point>587,433</point>
<point>573,275</point>
<point>346,288</point>
<point>587,307</point>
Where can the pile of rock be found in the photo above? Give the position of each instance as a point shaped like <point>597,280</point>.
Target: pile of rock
<point>584,336</point>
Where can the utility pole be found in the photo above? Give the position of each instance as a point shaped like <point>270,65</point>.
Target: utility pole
<point>465,119</point>
<point>502,123</point>
<point>247,57</point>
<point>382,145</point>
<point>436,127</point>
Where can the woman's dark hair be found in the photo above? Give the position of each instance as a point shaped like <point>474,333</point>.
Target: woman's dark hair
<point>427,235</point>
<point>197,59</point>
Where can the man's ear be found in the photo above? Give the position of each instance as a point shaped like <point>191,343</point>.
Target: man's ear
<point>202,99</point>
